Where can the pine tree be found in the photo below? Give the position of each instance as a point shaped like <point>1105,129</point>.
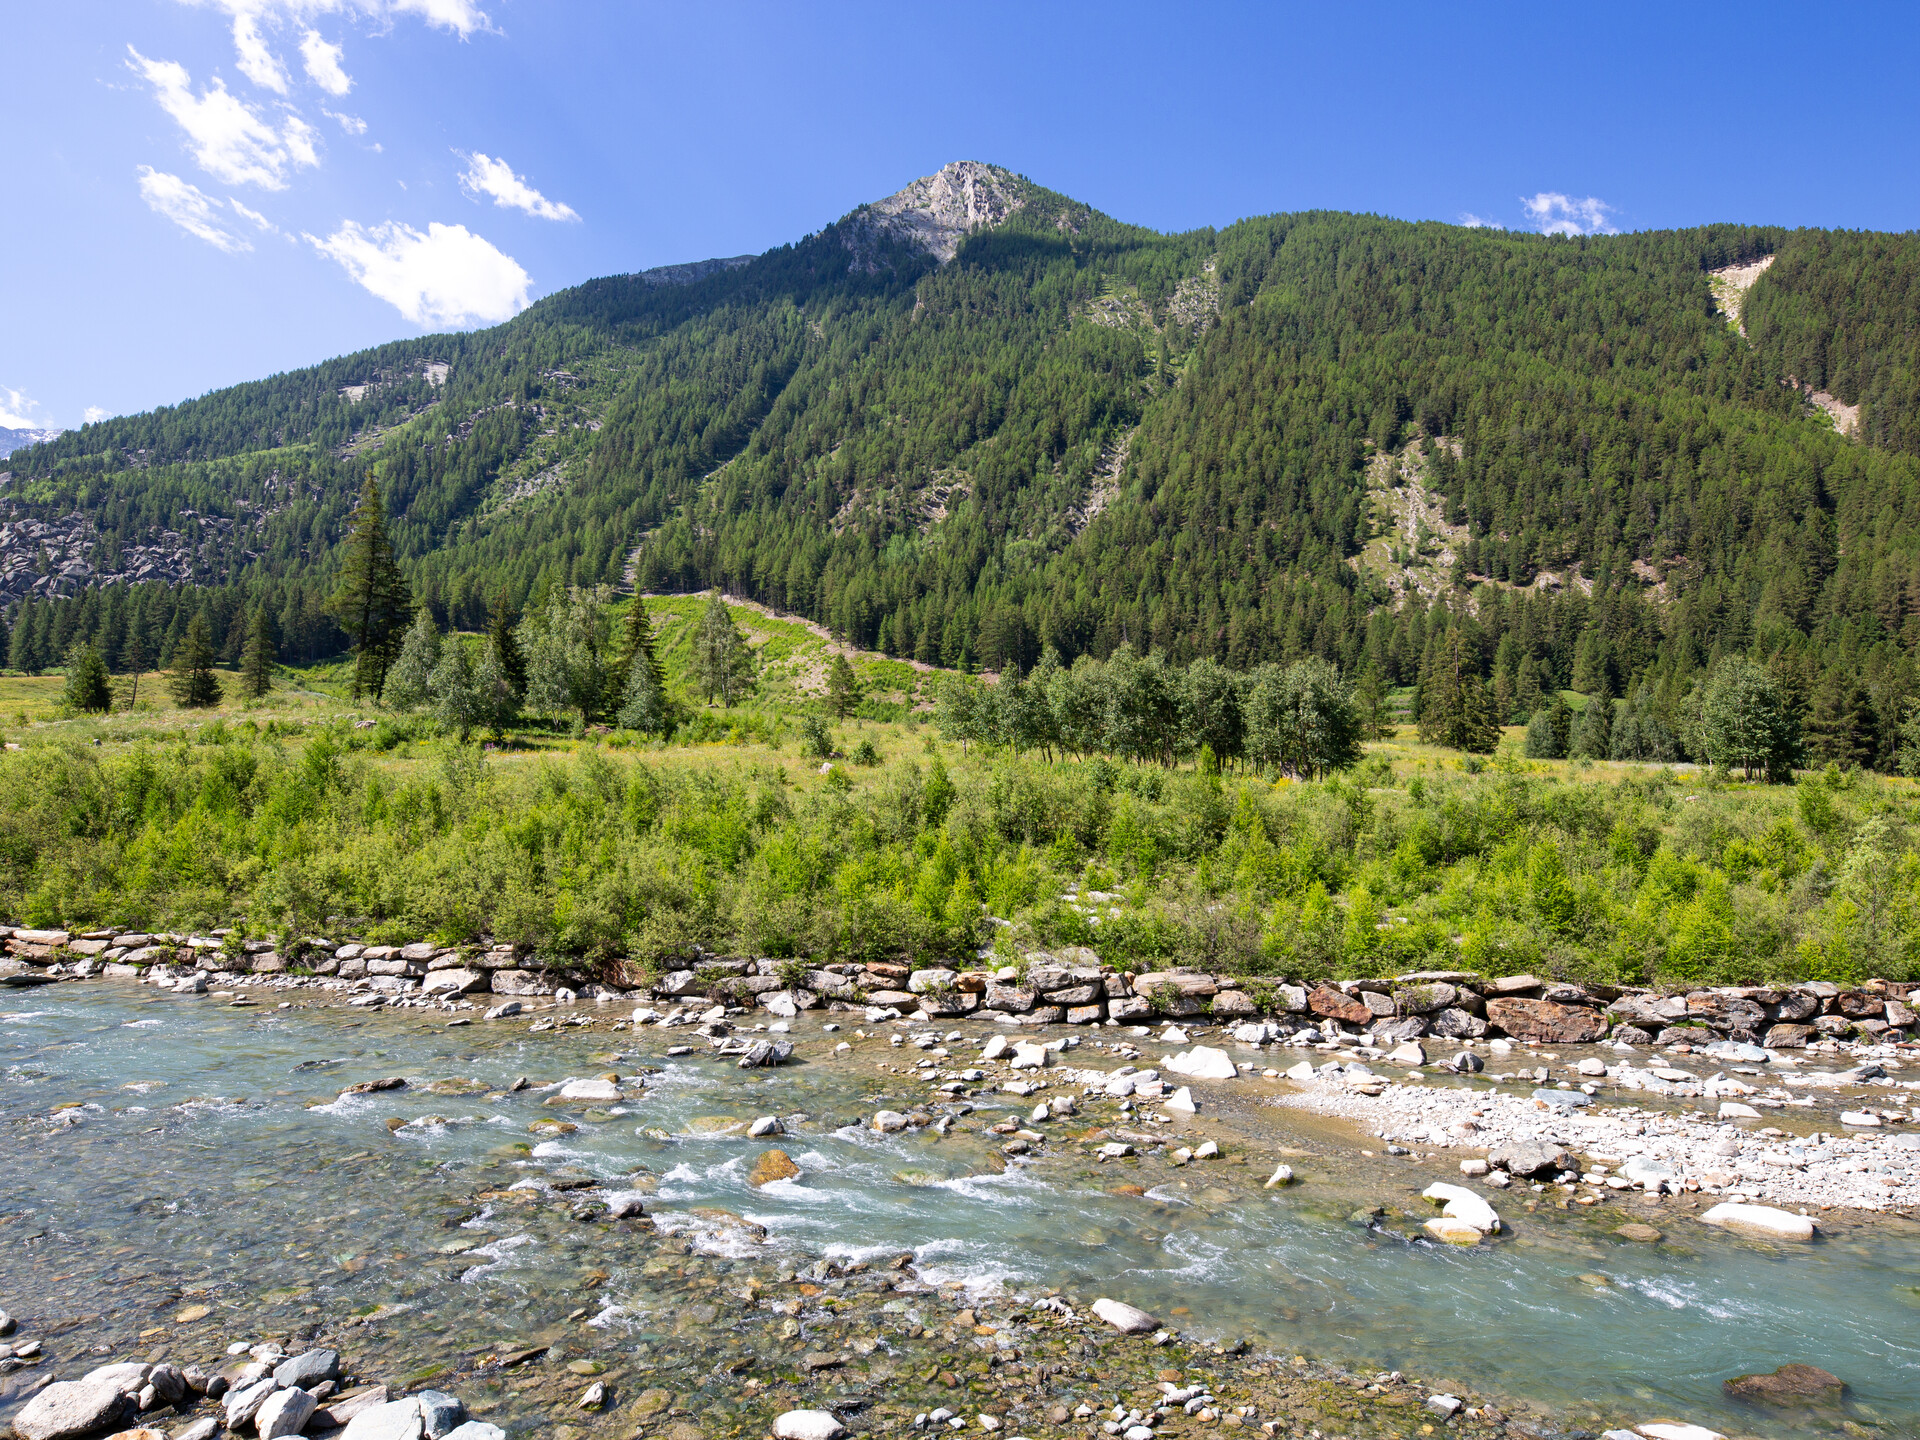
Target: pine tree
<point>88,688</point>
<point>193,684</point>
<point>371,600</point>
<point>644,706</point>
<point>501,621</point>
<point>637,644</point>
<point>21,646</point>
<point>1454,708</point>
<point>843,690</point>
<point>1370,696</point>
<point>256,660</point>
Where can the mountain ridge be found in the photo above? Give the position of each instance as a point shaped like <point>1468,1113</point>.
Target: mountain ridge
<point>977,418</point>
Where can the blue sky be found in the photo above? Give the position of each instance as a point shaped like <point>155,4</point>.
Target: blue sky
<point>207,191</point>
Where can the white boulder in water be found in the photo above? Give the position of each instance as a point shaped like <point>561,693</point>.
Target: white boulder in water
<point>1763,1220</point>
<point>1203,1062</point>
<point>1463,1205</point>
<point>807,1425</point>
<point>1127,1319</point>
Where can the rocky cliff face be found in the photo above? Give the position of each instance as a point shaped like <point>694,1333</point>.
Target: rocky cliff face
<point>936,212</point>
<point>692,270</point>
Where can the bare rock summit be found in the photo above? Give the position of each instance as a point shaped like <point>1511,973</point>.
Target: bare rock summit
<point>937,212</point>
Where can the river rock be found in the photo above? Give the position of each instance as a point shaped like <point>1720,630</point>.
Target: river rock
<point>1463,1205</point>
<point>475,1430</point>
<point>1528,1157</point>
<point>458,981</point>
<point>771,1166</point>
<point>395,1420</point>
<point>205,1428</point>
<point>889,1122</point>
<point>1203,1062</point>
<point>1457,1024</point>
<point>169,1384</point>
<point>1762,1220</point>
<point>439,1413</point>
<point>1677,1430</point>
<point>518,982</point>
<point>128,1376</point>
<point>1544,1022</point>
<point>285,1412</point>
<point>243,1403</point>
<point>604,1091</point>
<point>1127,1319</point>
<point>1282,1175</point>
<point>1449,1231</point>
<point>309,1368</point>
<point>1335,1006</point>
<point>1789,1385</point>
<point>807,1425</point>
<point>69,1408</point>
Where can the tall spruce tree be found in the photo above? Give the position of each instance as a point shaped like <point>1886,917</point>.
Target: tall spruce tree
<point>193,684</point>
<point>371,600</point>
<point>256,660</point>
<point>843,690</point>
<point>88,688</point>
<point>637,648</point>
<point>1454,708</point>
<point>505,645</point>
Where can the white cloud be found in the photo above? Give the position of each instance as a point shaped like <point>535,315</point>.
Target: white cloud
<point>487,176</point>
<point>16,411</point>
<point>253,217</point>
<point>94,414</point>
<point>461,16</point>
<point>352,124</point>
<point>447,276</point>
<point>323,64</point>
<point>1555,214</point>
<point>1477,222</point>
<point>230,139</point>
<point>256,62</point>
<point>191,209</point>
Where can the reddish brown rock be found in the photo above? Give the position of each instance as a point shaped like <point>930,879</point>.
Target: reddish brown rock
<point>1858,1005</point>
<point>1335,1006</point>
<point>1789,1037</point>
<point>1547,1023</point>
<point>1789,1385</point>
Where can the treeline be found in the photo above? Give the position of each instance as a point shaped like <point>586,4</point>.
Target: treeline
<point>1298,720</point>
<point>140,627</point>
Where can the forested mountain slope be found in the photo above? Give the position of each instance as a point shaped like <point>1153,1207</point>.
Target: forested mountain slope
<point>979,418</point>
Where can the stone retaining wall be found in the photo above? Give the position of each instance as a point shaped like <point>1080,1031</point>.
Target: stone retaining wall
<point>1070,987</point>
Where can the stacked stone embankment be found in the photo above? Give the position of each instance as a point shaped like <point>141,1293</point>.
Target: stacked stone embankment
<point>1070,986</point>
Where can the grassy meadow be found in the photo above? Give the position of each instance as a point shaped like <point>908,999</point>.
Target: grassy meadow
<point>303,811</point>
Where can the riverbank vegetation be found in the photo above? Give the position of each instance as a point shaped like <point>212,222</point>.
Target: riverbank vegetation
<point>299,810</point>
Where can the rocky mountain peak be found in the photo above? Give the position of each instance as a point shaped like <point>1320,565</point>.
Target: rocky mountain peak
<point>938,211</point>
